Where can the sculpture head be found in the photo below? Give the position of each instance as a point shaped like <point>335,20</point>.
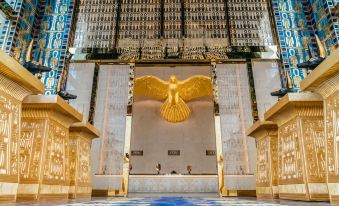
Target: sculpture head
<point>173,79</point>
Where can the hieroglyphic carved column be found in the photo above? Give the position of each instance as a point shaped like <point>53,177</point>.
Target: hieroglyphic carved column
<point>44,147</point>
<point>324,80</point>
<point>217,125</point>
<point>80,141</point>
<point>15,84</point>
<point>266,136</point>
<point>301,146</point>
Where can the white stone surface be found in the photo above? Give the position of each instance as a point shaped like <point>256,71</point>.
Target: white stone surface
<point>240,182</point>
<point>266,80</point>
<point>235,115</point>
<point>107,182</point>
<point>79,82</point>
<point>7,188</point>
<point>110,118</point>
<point>173,183</point>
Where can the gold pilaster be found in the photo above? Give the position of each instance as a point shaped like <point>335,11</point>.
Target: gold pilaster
<point>15,84</point>
<point>44,147</point>
<point>266,136</point>
<point>324,80</point>
<point>301,146</point>
<point>80,141</point>
<point>217,126</point>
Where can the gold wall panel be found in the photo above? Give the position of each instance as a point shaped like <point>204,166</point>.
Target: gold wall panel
<point>301,147</point>
<point>324,80</point>
<point>44,148</point>
<point>266,135</point>
<point>11,96</point>
<point>80,140</point>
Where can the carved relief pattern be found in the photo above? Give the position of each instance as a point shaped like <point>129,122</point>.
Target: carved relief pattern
<point>84,174</point>
<point>30,148</point>
<point>263,162</point>
<point>332,131</point>
<point>274,158</point>
<point>314,143</point>
<point>56,161</point>
<point>73,151</point>
<point>290,162</point>
<point>9,133</point>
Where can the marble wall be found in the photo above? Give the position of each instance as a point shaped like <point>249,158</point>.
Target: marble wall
<point>152,134</point>
<point>80,82</point>
<point>235,116</point>
<point>110,118</point>
<point>266,80</point>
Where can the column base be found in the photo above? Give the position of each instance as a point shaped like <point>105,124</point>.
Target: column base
<point>317,192</point>
<point>267,192</point>
<point>53,192</point>
<point>28,191</point>
<point>8,191</point>
<point>79,192</point>
<point>107,193</point>
<point>239,193</point>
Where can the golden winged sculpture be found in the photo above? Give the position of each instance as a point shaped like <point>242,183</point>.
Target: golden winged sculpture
<point>174,92</point>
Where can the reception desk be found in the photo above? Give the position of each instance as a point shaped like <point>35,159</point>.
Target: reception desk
<point>44,147</point>
<point>301,146</point>
<point>266,136</point>
<point>324,80</point>
<point>173,183</point>
<point>15,84</point>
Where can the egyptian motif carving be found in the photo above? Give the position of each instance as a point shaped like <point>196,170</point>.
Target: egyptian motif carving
<point>30,148</point>
<point>332,131</point>
<point>274,158</point>
<point>314,147</point>
<point>56,157</point>
<point>263,162</point>
<point>79,156</point>
<point>73,151</point>
<point>9,134</point>
<point>290,162</point>
<point>84,174</point>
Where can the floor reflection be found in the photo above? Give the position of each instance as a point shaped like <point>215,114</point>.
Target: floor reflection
<point>170,200</point>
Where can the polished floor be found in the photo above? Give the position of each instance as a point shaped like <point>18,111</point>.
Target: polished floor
<point>170,200</point>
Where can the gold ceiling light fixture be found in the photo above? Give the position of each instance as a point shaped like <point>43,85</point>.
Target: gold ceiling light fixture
<point>174,92</point>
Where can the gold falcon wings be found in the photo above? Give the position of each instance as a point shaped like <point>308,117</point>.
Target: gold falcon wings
<point>174,92</point>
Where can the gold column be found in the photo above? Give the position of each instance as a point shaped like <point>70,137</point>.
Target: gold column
<point>15,84</point>
<point>266,136</point>
<point>44,147</point>
<point>324,80</point>
<point>301,146</point>
<point>217,126</point>
<point>80,141</point>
